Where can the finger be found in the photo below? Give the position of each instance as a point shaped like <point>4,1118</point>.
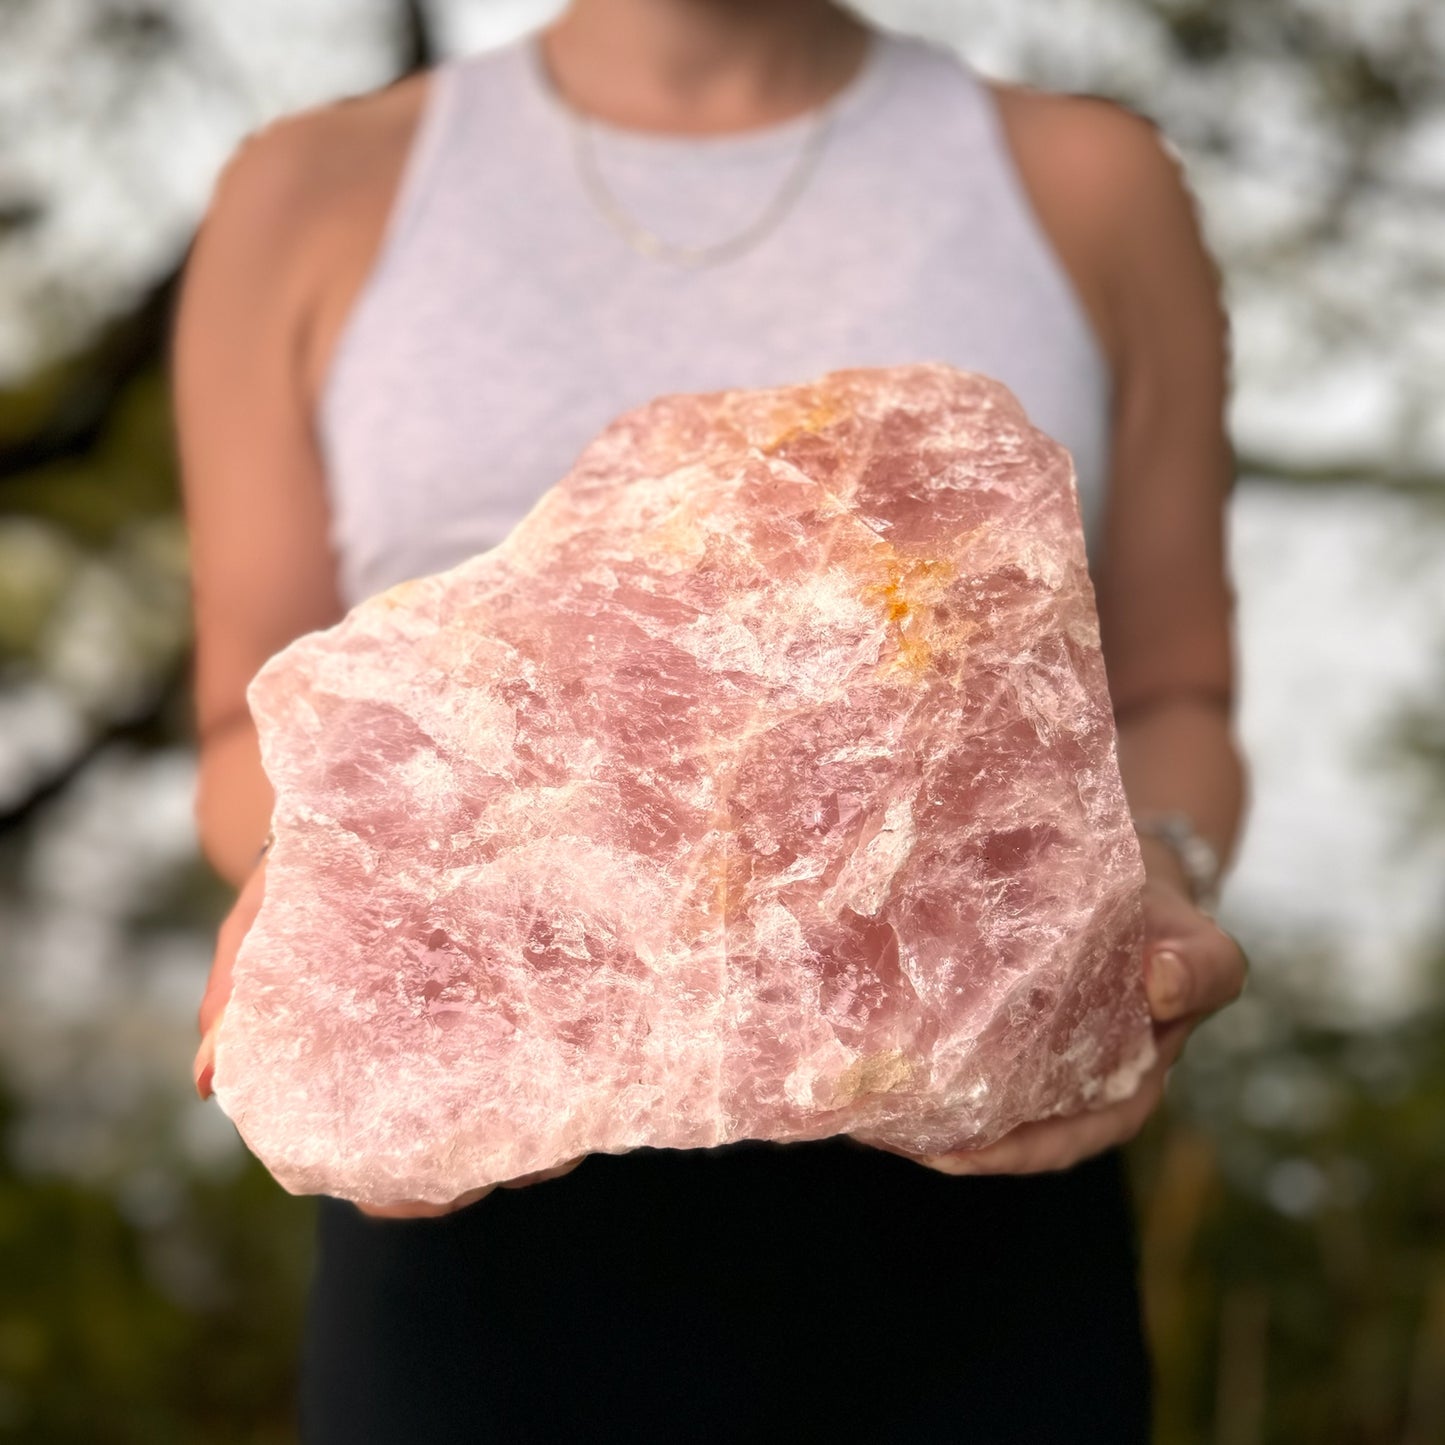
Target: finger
<point>229,936</point>
<point>1169,1041</point>
<point>1195,976</point>
<point>1050,1144</point>
<point>203,1068</point>
<point>889,1149</point>
<point>216,995</point>
<point>419,1209</point>
<point>402,1211</point>
<point>1243,961</point>
<point>1062,1141</point>
<point>556,1172</point>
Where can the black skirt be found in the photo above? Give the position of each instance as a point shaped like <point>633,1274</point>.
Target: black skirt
<point>824,1289</point>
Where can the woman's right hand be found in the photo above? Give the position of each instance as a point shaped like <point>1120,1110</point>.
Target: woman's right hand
<point>431,1211</point>
<point>233,929</point>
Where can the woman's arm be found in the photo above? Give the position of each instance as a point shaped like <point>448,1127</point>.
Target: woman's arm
<point>1166,602</point>
<point>1164,596</point>
<point>244,375</point>
<point>261,567</point>
<point>261,573</point>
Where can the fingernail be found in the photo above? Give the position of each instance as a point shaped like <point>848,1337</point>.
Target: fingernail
<point>1168,980</point>
<point>203,1069</point>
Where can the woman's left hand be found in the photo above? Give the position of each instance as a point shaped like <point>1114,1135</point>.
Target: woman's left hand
<point>1192,968</point>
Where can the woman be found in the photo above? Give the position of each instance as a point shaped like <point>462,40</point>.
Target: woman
<point>403,317</point>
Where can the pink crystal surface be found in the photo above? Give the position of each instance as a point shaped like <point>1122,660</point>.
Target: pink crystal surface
<point>762,783</point>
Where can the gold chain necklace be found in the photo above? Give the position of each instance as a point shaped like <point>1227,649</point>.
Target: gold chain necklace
<point>649,243</point>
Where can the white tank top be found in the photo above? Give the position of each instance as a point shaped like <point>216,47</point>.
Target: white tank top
<point>505,320</point>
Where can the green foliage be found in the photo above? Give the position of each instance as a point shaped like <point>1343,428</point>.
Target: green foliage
<point>129,473</point>
<point>1293,1231</point>
<point>147,1321</point>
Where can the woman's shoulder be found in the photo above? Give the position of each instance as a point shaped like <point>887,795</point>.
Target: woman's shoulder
<point>308,195</point>
<point>1088,163</point>
<point>1086,145</point>
<point>289,171</point>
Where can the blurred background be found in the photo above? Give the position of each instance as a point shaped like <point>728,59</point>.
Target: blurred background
<point>1291,1190</point>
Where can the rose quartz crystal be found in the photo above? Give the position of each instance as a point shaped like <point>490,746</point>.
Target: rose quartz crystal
<point>761,784</point>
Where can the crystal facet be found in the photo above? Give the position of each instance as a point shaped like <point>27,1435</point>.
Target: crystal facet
<point>762,783</point>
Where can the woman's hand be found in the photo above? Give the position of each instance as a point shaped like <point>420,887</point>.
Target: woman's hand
<point>233,929</point>
<point>1192,968</point>
<point>431,1211</point>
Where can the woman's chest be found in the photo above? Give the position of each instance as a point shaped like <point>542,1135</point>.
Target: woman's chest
<point>457,380</point>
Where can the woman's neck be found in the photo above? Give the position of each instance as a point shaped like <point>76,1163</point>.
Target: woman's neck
<point>700,67</point>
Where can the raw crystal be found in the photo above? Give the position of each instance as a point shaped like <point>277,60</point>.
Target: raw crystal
<point>762,783</point>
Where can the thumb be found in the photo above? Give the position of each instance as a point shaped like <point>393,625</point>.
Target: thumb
<point>1195,974</point>
<point>1169,978</point>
